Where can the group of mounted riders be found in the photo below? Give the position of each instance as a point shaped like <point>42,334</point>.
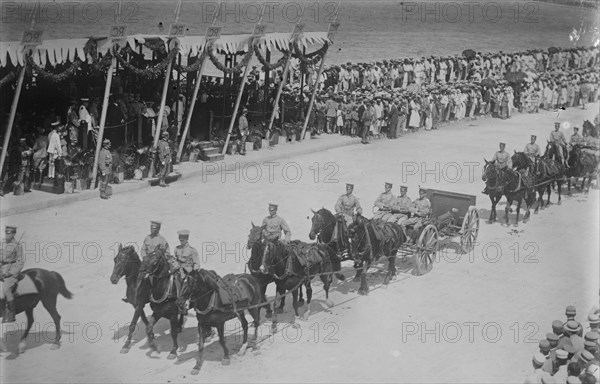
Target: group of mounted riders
<point>521,175</point>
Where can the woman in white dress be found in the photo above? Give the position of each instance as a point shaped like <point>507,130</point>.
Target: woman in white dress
<point>415,114</point>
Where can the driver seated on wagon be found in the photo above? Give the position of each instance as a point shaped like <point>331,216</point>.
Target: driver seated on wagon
<point>420,210</point>
<point>401,207</point>
<point>344,208</point>
<point>384,204</point>
<point>185,259</point>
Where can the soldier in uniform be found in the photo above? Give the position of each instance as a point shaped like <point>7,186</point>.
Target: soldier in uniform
<point>243,127</point>
<point>558,138</point>
<point>576,138</point>
<point>532,150</point>
<point>25,171</point>
<point>384,204</point>
<point>11,264</point>
<point>419,210</point>
<point>273,225</point>
<point>401,207</point>
<point>153,240</point>
<point>105,167</point>
<point>502,158</point>
<point>164,156</point>
<point>344,208</point>
<point>185,259</point>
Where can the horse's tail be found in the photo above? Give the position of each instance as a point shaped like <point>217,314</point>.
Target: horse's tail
<point>62,287</point>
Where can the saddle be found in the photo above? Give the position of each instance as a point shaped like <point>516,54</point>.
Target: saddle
<point>233,290</point>
<point>25,286</point>
<point>307,255</point>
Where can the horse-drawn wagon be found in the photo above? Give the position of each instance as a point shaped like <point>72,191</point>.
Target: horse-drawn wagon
<point>452,215</point>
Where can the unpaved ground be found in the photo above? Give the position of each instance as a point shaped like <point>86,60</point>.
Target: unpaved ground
<point>474,318</point>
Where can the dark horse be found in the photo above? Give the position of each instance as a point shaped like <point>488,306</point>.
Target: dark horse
<point>372,239</point>
<point>516,190</point>
<point>48,284</point>
<point>582,165</point>
<point>202,288</point>
<point>127,263</point>
<point>157,285</point>
<point>322,228</point>
<point>541,175</point>
<point>492,186</point>
<point>256,252</point>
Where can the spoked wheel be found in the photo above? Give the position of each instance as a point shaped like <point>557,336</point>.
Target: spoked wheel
<point>426,249</point>
<point>469,230</point>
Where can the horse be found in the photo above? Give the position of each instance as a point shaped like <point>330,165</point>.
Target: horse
<point>48,284</point>
<point>256,247</point>
<point>492,187</point>
<point>521,162</point>
<point>322,228</point>
<point>581,165</point>
<point>127,263</point>
<point>515,189</point>
<point>204,290</point>
<point>157,285</point>
<point>372,239</point>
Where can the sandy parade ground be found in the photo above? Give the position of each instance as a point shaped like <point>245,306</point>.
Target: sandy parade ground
<point>474,318</point>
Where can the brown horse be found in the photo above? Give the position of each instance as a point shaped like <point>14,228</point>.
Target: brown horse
<point>582,165</point>
<point>204,289</point>
<point>492,186</point>
<point>48,284</point>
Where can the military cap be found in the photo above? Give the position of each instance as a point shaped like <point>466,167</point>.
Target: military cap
<point>422,189</point>
<point>593,318</point>
<point>501,143</point>
<point>155,223</point>
<point>571,326</point>
<point>586,356</point>
<point>271,205</point>
<point>105,141</point>
<point>534,137</point>
<point>10,228</point>
<point>576,128</point>
<point>570,310</point>
<point>55,123</point>
<point>591,336</point>
<point>556,123</point>
<point>84,99</point>
<point>544,344</point>
<point>389,184</point>
<point>349,185</point>
<point>164,134</point>
<point>552,337</point>
<point>539,359</point>
<point>183,233</point>
<point>573,380</point>
<point>562,354</point>
<point>403,188</point>
<point>557,325</point>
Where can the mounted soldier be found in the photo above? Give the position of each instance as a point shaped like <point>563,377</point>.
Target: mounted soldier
<point>384,204</point>
<point>11,264</point>
<point>272,226</point>
<point>558,139</point>
<point>576,138</point>
<point>344,209</point>
<point>185,259</point>
<point>501,161</point>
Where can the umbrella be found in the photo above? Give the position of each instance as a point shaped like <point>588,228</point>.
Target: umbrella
<point>553,50</point>
<point>488,82</point>
<point>469,53</point>
<point>515,77</point>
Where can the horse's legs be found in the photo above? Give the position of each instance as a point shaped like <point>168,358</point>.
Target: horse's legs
<point>29,313</point>
<point>150,332</point>
<point>295,301</point>
<point>50,304</point>
<point>306,314</point>
<point>138,311</point>
<point>508,205</point>
<point>549,190</point>
<point>263,298</point>
<point>281,292</point>
<point>359,270</point>
<point>520,201</point>
<point>300,297</point>
<point>364,288</point>
<point>175,329</point>
<point>391,267</point>
<point>221,331</point>
<point>242,317</point>
<point>493,210</point>
<point>558,188</point>
<point>200,359</point>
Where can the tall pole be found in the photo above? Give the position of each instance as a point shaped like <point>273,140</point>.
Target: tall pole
<point>188,118</point>
<point>109,76</point>
<point>313,96</point>
<point>13,111</point>
<point>279,90</point>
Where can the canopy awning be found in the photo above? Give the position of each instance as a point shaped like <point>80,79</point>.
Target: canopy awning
<point>62,51</point>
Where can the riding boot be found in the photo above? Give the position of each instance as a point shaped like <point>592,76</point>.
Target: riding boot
<point>9,312</point>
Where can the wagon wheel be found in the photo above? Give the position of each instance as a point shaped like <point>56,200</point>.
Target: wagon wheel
<point>469,230</point>
<point>426,249</point>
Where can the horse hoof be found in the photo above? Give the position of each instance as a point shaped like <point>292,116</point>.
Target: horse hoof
<point>516,224</point>
<point>53,347</point>
<point>195,372</point>
<point>301,302</point>
<point>225,362</point>
<point>21,347</point>
<point>559,203</point>
<point>329,303</point>
<point>242,351</point>
<point>363,292</point>
<point>172,356</point>
<point>124,350</point>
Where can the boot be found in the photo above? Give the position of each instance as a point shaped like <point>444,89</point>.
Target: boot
<point>9,313</point>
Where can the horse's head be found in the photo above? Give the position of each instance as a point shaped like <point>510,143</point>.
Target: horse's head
<point>490,173</point>
<point>520,160</point>
<point>156,263</point>
<point>195,285</point>
<point>126,257</point>
<point>255,236</point>
<point>321,220</point>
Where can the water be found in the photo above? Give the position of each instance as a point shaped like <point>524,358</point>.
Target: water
<point>372,30</point>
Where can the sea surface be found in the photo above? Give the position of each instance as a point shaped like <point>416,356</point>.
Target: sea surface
<point>369,30</point>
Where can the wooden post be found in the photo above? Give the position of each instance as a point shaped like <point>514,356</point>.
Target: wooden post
<point>13,112</point>
<point>266,85</point>
<point>139,130</point>
<point>188,118</point>
<point>210,125</point>
<point>177,100</point>
<point>279,90</point>
<point>109,76</point>
<point>312,97</point>
<point>161,113</point>
<point>237,103</point>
